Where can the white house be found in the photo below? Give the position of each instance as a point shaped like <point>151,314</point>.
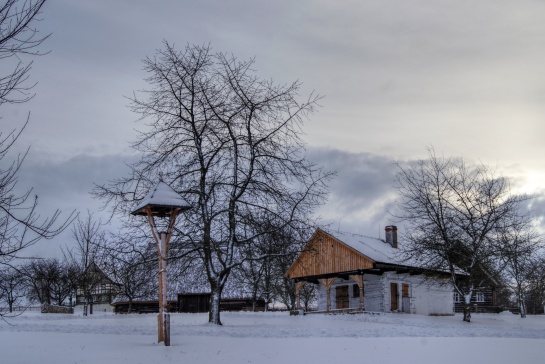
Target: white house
<point>358,273</point>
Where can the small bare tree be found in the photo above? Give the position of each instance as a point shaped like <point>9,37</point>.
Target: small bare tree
<point>89,238</point>
<point>48,281</point>
<point>267,258</point>
<point>12,288</point>
<point>132,267</point>
<point>536,284</point>
<point>519,245</point>
<point>457,215</point>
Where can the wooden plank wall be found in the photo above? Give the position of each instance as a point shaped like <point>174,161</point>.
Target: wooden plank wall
<point>326,255</point>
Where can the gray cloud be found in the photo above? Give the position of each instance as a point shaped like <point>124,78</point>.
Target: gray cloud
<point>362,195</point>
<point>398,76</point>
<point>66,186</point>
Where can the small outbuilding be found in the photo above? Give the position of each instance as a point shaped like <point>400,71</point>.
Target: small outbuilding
<point>200,302</point>
<point>97,289</point>
<point>358,273</point>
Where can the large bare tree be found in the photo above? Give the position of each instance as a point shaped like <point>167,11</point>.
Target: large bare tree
<point>20,223</point>
<point>18,38</point>
<point>228,141</point>
<point>458,217</point>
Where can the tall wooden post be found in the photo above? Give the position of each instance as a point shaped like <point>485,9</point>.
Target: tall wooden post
<point>162,287</point>
<point>162,239</point>
<point>163,202</point>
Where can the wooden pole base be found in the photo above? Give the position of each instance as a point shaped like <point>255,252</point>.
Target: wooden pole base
<point>160,329</point>
<point>167,329</point>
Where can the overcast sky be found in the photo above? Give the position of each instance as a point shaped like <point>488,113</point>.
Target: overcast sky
<point>398,77</point>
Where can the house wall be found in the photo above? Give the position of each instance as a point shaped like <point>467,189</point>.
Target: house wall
<point>426,297</point>
<point>354,302</point>
<point>433,298</point>
<point>374,290</point>
<point>487,305</point>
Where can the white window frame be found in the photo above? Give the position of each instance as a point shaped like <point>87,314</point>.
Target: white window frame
<point>479,297</point>
<point>457,297</point>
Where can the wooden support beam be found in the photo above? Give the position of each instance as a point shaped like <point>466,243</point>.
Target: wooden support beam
<point>359,280</point>
<point>328,282</point>
<point>298,287</point>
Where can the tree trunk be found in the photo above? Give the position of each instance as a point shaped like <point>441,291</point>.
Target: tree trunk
<point>267,293</point>
<point>254,299</point>
<point>214,314</point>
<point>522,305</point>
<point>467,312</point>
<point>467,307</point>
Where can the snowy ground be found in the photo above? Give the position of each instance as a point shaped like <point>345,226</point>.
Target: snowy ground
<point>273,338</point>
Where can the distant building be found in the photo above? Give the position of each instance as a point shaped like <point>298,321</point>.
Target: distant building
<point>483,300</point>
<point>189,302</point>
<point>101,290</point>
<point>200,302</point>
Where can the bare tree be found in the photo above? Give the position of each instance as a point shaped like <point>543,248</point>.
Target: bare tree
<point>38,281</point>
<point>133,269</point>
<point>48,281</point>
<point>535,284</point>
<point>63,286</point>
<point>89,238</point>
<point>308,297</point>
<point>12,288</point>
<point>230,143</point>
<point>519,245</point>
<point>20,223</point>
<point>266,258</point>
<point>457,215</point>
<point>250,275</point>
<point>18,37</point>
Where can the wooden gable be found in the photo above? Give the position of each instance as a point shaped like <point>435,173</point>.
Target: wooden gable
<point>324,254</point>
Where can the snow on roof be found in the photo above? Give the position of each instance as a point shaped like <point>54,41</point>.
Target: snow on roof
<point>380,251</point>
<point>373,248</point>
<point>162,196</point>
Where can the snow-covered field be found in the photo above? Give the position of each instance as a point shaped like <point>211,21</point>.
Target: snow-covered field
<point>273,338</point>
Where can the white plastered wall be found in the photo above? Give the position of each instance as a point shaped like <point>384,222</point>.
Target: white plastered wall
<point>426,296</point>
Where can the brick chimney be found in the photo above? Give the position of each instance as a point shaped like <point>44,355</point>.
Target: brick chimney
<point>391,235</point>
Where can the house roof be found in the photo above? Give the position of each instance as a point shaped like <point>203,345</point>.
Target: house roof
<point>328,254</point>
<point>373,248</point>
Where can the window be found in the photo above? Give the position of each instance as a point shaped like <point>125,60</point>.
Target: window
<point>457,297</point>
<point>480,297</point>
<point>355,291</point>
